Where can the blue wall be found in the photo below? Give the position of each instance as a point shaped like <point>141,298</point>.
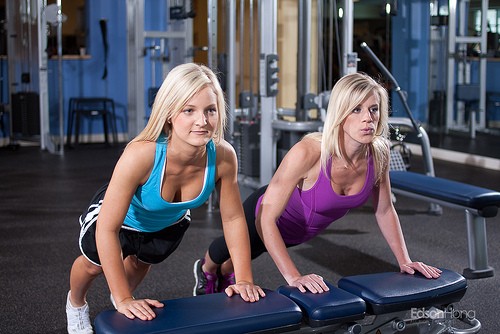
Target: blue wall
<point>84,77</point>
<point>410,56</point>
<point>410,62</point>
<point>492,88</point>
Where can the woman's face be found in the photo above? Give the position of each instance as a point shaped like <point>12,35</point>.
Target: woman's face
<point>361,124</point>
<point>197,121</point>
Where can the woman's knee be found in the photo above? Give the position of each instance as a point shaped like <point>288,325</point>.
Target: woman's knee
<point>136,264</point>
<point>91,268</point>
<point>218,251</point>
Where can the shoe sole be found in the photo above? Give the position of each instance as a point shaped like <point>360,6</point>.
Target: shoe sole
<point>195,277</point>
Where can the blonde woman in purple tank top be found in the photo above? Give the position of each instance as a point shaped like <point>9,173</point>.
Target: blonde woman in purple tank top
<point>320,179</point>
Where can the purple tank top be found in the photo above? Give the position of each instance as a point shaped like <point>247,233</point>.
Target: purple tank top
<point>309,212</point>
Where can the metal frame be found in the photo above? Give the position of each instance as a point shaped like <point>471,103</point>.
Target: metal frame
<point>26,27</point>
<point>268,17</point>
<point>272,127</point>
<point>303,57</point>
<point>45,141</point>
<point>458,43</point>
<point>231,64</point>
<point>347,36</point>
<point>180,37</point>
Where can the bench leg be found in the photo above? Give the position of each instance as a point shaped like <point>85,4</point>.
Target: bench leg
<point>105,126</point>
<point>478,248</point>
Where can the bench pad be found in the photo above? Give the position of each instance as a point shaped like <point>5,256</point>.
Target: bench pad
<point>448,191</point>
<point>322,309</point>
<point>393,291</point>
<point>208,314</point>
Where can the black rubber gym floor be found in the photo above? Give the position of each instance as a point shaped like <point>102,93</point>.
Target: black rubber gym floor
<point>42,196</point>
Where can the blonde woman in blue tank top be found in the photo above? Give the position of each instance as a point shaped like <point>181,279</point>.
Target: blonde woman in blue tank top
<point>320,179</point>
<point>139,219</point>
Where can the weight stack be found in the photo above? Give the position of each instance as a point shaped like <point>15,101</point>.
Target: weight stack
<point>249,148</point>
<point>25,114</point>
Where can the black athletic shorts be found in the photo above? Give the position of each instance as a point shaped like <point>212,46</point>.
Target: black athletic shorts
<point>148,247</point>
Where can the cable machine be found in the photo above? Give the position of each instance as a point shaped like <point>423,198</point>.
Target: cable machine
<point>255,116</point>
<point>22,53</point>
<point>170,44</point>
<point>273,125</point>
<point>28,76</point>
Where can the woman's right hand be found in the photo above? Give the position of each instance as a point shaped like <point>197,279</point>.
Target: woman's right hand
<point>249,292</point>
<point>140,308</point>
<point>311,282</point>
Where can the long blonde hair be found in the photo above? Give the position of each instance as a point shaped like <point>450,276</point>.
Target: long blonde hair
<point>181,84</point>
<point>349,92</point>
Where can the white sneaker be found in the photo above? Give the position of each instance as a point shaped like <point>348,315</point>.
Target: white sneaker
<point>78,318</point>
<point>112,301</point>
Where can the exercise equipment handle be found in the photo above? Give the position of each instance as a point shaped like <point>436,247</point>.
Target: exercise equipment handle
<point>388,74</point>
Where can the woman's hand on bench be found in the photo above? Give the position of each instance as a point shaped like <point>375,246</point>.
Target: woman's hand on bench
<point>249,292</point>
<point>426,270</point>
<point>311,282</point>
<point>140,308</point>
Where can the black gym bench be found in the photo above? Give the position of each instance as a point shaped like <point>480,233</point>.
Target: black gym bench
<point>478,203</point>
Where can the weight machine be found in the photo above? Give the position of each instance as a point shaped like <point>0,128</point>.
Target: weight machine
<point>168,43</point>
<point>280,128</point>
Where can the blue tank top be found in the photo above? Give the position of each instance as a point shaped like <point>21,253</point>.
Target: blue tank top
<point>309,212</point>
<point>148,211</point>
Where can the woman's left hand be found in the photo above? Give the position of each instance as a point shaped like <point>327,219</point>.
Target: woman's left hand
<point>249,292</point>
<point>424,269</point>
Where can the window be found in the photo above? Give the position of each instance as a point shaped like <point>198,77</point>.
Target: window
<point>74,28</point>
<point>493,29</point>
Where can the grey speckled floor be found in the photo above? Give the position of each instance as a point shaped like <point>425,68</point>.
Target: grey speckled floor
<point>42,195</point>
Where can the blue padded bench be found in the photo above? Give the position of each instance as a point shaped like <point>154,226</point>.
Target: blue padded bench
<point>208,314</point>
<point>393,291</point>
<point>323,309</point>
<point>276,313</point>
<point>382,295</point>
<point>478,203</point>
